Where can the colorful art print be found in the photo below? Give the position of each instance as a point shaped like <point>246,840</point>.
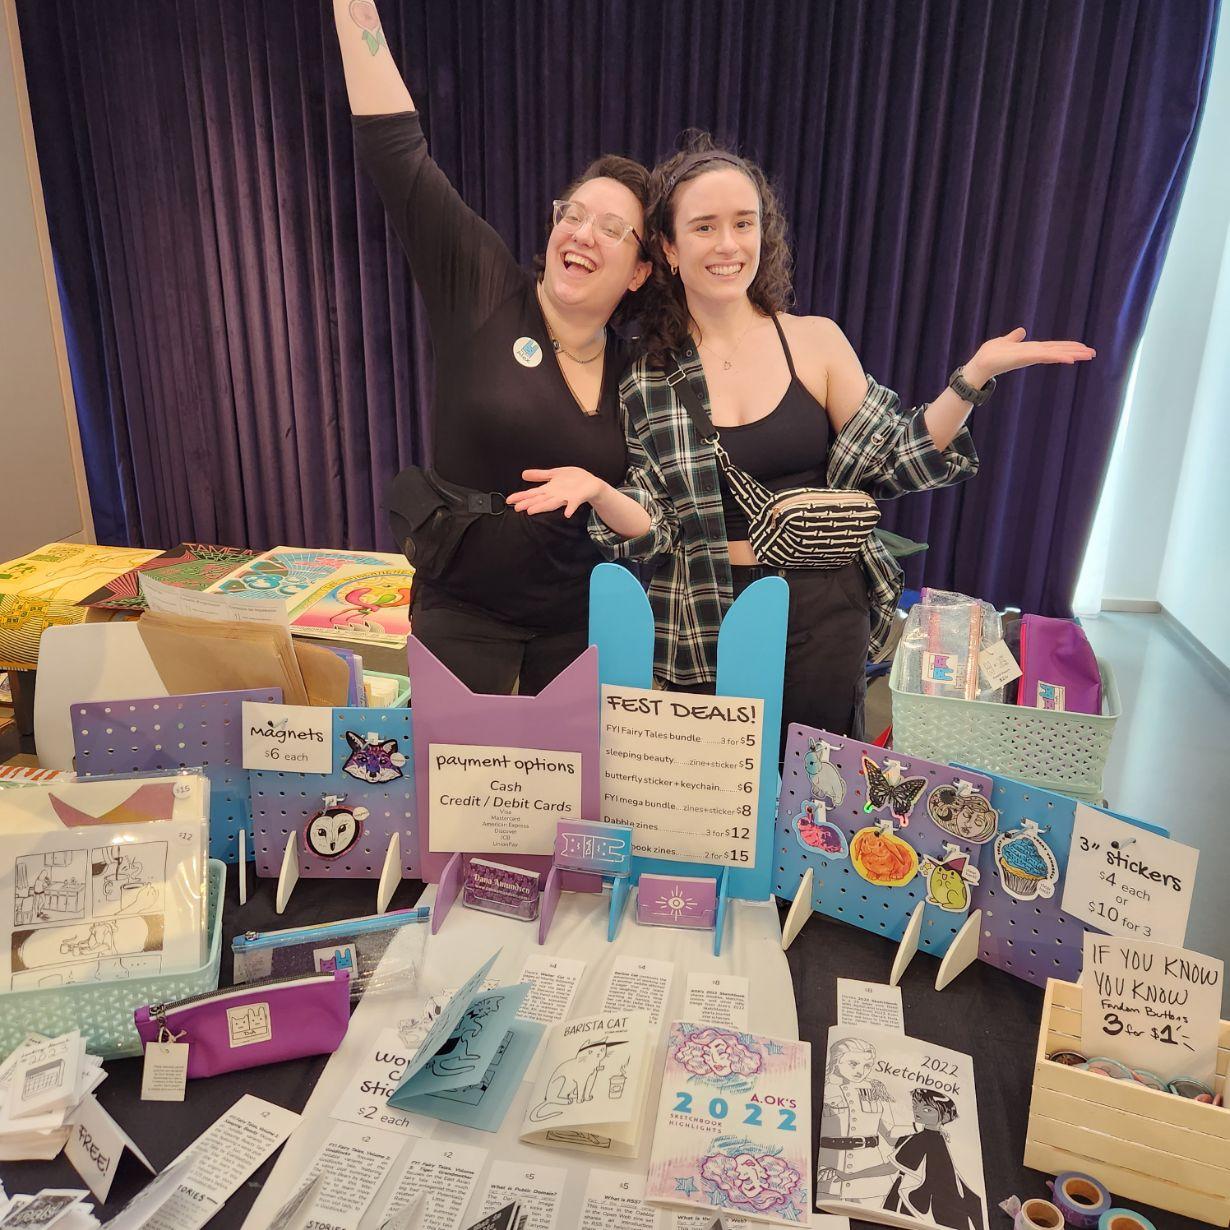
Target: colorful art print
<point>827,784</point>
<point>676,901</point>
<point>733,1129</point>
<point>899,1139</point>
<point>191,565</point>
<point>813,831</point>
<point>883,858</point>
<point>373,759</point>
<point>1026,864</point>
<point>371,603</point>
<point>594,846</point>
<point>287,572</point>
<point>960,810</point>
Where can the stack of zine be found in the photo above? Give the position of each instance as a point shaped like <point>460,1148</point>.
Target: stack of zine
<point>899,1140</point>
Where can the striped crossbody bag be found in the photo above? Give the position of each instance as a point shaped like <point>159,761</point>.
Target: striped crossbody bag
<point>803,527</point>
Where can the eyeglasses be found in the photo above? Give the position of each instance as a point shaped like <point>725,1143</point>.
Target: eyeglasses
<point>610,229</point>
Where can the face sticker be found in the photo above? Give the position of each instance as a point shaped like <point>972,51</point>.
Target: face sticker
<point>887,787</point>
<point>949,879</point>
<point>827,785</point>
<point>817,833</point>
<point>1026,865</point>
<point>334,830</point>
<point>373,759</point>
<point>883,858</point>
<point>960,810</point>
<point>527,352</point>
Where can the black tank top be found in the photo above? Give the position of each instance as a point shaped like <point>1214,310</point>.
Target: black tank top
<point>789,447</point>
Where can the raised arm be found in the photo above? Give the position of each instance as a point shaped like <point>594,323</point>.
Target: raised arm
<point>373,82</point>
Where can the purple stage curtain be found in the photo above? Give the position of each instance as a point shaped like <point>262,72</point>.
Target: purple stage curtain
<point>250,360</point>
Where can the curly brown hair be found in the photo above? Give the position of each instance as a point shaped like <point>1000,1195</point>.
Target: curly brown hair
<point>634,176</point>
<point>665,320</point>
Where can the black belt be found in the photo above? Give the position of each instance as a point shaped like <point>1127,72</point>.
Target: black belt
<point>849,1142</point>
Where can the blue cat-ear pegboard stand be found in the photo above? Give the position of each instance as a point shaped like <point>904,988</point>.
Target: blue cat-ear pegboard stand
<point>751,663</point>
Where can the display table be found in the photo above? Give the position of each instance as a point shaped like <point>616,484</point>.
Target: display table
<point>986,1013</point>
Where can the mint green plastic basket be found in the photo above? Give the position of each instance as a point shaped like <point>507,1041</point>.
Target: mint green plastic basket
<point>103,1010</point>
<point>403,687</point>
<point>1064,752</point>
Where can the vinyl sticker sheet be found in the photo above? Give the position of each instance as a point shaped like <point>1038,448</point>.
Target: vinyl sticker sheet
<point>881,832</point>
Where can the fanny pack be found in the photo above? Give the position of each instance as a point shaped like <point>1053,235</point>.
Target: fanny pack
<point>260,1023</point>
<point>803,527</point>
<point>430,516</point>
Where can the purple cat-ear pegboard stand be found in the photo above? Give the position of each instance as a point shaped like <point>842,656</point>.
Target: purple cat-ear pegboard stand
<point>837,889</point>
<point>284,803</point>
<point>1035,940</point>
<point>199,731</point>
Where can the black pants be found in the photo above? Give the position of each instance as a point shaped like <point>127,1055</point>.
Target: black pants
<point>488,654</point>
<point>827,634</point>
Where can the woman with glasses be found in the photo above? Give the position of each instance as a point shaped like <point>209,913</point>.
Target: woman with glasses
<point>527,373</point>
<point>793,408</point>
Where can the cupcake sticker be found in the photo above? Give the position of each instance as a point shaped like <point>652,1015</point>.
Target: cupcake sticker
<point>1027,868</point>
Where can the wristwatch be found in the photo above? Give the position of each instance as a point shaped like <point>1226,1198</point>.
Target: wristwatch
<point>966,391</point>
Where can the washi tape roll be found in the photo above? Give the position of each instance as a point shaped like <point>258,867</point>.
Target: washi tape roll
<point>1109,1067</point>
<point>1123,1219</point>
<point>1081,1199</point>
<point>1038,1215</point>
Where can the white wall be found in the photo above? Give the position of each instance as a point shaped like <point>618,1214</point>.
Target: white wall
<point>1195,580</point>
<point>42,483</point>
<point>1178,337</point>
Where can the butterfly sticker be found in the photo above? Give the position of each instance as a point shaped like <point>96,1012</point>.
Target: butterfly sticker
<point>373,759</point>
<point>888,788</point>
<point>949,879</point>
<point>827,785</point>
<point>816,832</point>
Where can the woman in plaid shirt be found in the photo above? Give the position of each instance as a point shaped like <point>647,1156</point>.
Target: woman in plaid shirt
<point>794,409</point>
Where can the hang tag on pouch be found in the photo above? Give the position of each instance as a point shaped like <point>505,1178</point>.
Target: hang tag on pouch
<point>165,1075</point>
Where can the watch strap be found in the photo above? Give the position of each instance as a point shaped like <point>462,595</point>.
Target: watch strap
<point>968,392</point>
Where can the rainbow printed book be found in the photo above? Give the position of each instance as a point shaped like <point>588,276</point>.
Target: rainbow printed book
<point>359,604</point>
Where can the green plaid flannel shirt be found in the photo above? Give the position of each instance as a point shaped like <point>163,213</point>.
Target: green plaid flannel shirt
<point>673,475</point>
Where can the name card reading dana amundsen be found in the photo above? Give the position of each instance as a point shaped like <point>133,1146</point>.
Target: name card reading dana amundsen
<point>504,800</point>
<point>684,772</point>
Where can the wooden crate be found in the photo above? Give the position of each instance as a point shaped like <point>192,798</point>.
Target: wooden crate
<point>1144,1145</point>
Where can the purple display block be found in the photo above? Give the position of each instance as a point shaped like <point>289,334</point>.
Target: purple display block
<point>676,901</point>
<point>563,717</point>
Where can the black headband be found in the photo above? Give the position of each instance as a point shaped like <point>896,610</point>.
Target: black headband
<point>692,161</point>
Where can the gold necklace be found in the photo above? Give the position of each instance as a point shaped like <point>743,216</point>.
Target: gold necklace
<point>726,359</point>
<point>559,348</point>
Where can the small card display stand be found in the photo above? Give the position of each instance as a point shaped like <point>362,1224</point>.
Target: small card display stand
<point>751,662</point>
<point>199,731</point>
<point>385,843</point>
<point>1144,1145</point>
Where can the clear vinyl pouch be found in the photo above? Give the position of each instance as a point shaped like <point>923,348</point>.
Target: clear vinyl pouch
<point>944,635</point>
<point>103,878</point>
<point>381,952</point>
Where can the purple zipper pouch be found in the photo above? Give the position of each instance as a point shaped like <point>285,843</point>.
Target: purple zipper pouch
<point>1058,668</point>
<point>255,1024</point>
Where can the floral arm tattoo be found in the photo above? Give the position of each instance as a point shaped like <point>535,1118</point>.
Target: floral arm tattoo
<point>363,14</point>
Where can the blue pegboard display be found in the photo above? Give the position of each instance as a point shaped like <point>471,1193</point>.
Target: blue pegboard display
<point>838,890</point>
<point>284,803</point>
<point>198,731</point>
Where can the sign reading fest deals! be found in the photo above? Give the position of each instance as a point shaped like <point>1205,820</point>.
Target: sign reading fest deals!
<point>289,738</point>
<point>500,800</point>
<point>1152,1007</point>
<point>684,772</point>
<point>1127,881</point>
